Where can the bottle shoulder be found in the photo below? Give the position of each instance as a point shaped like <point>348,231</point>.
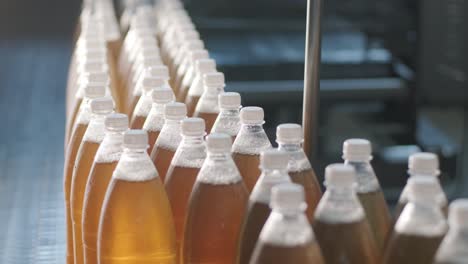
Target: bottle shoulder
<point>286,231</point>
<point>190,156</point>
<point>219,172</point>
<point>337,207</point>
<point>421,220</point>
<point>135,167</point>
<point>251,142</point>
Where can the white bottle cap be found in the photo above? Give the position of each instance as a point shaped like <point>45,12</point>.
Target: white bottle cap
<point>175,110</point>
<point>101,77</point>
<point>195,44</point>
<point>218,142</point>
<point>150,83</point>
<point>162,95</point>
<point>149,62</point>
<point>214,79</point>
<point>458,213</point>
<point>422,189</point>
<point>288,198</point>
<point>205,65</point>
<point>340,175</point>
<point>116,122</point>
<point>251,115</point>
<point>357,149</point>
<point>92,66</point>
<point>135,139</point>
<point>289,133</point>
<point>159,71</point>
<point>92,90</point>
<point>102,105</point>
<point>274,159</point>
<point>423,163</point>
<point>229,100</point>
<point>193,126</point>
<point>198,55</point>
<point>190,33</point>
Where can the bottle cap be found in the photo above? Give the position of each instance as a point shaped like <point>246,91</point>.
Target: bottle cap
<point>102,105</point>
<point>205,65</point>
<point>162,95</point>
<point>288,197</point>
<point>149,62</point>
<point>101,77</point>
<point>116,122</point>
<point>422,189</point>
<point>198,55</point>
<point>135,139</point>
<point>218,142</point>
<point>458,213</point>
<point>274,159</point>
<point>159,71</point>
<point>357,149</point>
<point>92,90</point>
<point>214,79</point>
<point>340,175</point>
<point>229,100</point>
<point>423,163</point>
<point>189,36</point>
<point>251,115</point>
<point>150,83</point>
<point>195,44</point>
<point>92,66</point>
<point>193,126</point>
<point>289,133</point>
<point>175,110</point>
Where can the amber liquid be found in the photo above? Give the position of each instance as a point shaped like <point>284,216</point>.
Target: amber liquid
<point>400,206</point>
<point>272,254</point>
<point>256,216</point>
<point>191,102</point>
<point>137,122</point>
<point>99,178</point>
<point>214,222</point>
<point>136,224</point>
<point>152,137</point>
<point>132,102</point>
<point>248,166</point>
<point>183,91</point>
<point>350,243</point>
<point>83,163</point>
<point>377,215</point>
<point>179,184</point>
<point>162,160</point>
<point>210,119</point>
<point>411,249</point>
<point>312,191</point>
<point>70,157</point>
<point>72,119</point>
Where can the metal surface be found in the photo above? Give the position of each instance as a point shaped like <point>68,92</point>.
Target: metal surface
<point>312,77</point>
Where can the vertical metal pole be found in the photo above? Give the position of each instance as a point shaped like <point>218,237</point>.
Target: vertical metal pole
<point>312,77</point>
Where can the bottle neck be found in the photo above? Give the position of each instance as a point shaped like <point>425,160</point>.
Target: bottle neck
<point>98,118</point>
<point>219,156</point>
<point>158,108</point>
<point>192,140</point>
<point>172,122</point>
<point>229,112</point>
<point>252,128</point>
<point>114,134</point>
<point>135,151</point>
<point>290,147</point>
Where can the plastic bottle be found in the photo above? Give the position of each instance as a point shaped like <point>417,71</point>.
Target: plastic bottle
<point>228,120</point>
<point>76,137</point>
<point>289,138</point>
<point>454,247</point>
<point>420,228</point>
<point>274,165</point>
<point>250,142</point>
<point>155,120</point>
<point>184,54</point>
<point>136,224</point>
<point>143,107</point>
<point>183,171</point>
<point>105,161</point>
<point>197,88</point>
<point>216,207</point>
<point>100,108</point>
<point>340,223</point>
<point>169,137</point>
<point>422,164</point>
<point>208,107</point>
<point>186,72</point>
<point>287,236</point>
<point>358,153</point>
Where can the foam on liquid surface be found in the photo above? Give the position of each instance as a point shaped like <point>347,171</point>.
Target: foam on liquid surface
<point>110,149</point>
<point>284,232</point>
<point>84,113</point>
<point>170,137</point>
<point>251,141</point>
<point>96,131</point>
<point>339,209</point>
<point>365,177</point>
<point>189,157</point>
<point>155,120</point>
<point>298,162</point>
<point>227,124</point>
<point>143,106</point>
<point>219,174</point>
<point>262,190</point>
<point>135,167</point>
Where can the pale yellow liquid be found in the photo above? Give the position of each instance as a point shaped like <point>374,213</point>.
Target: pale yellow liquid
<point>312,190</point>
<point>162,158</point>
<point>248,166</point>
<point>136,225</point>
<point>70,157</point>
<point>83,163</point>
<point>99,178</point>
<point>137,122</point>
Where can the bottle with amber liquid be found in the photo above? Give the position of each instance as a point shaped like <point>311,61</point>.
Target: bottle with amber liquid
<point>184,83</point>
<point>228,120</point>
<point>197,88</point>
<point>143,107</point>
<point>208,107</point>
<point>287,236</point>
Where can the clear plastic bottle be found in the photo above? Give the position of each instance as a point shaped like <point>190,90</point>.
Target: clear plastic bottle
<point>186,72</point>
<point>340,224</point>
<point>184,54</point>
<point>136,223</point>
<point>105,161</point>
<point>196,89</point>
<point>287,236</point>
<point>76,137</point>
<point>250,142</point>
<point>454,247</point>
<point>420,228</point>
<point>208,106</point>
<point>228,120</point>
<point>358,153</point>
<point>216,207</point>
<point>289,138</point>
<point>274,164</point>
<point>169,137</point>
<point>100,108</point>
<point>143,107</point>
<point>183,171</point>
<point>155,120</point>
<point>422,164</point>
